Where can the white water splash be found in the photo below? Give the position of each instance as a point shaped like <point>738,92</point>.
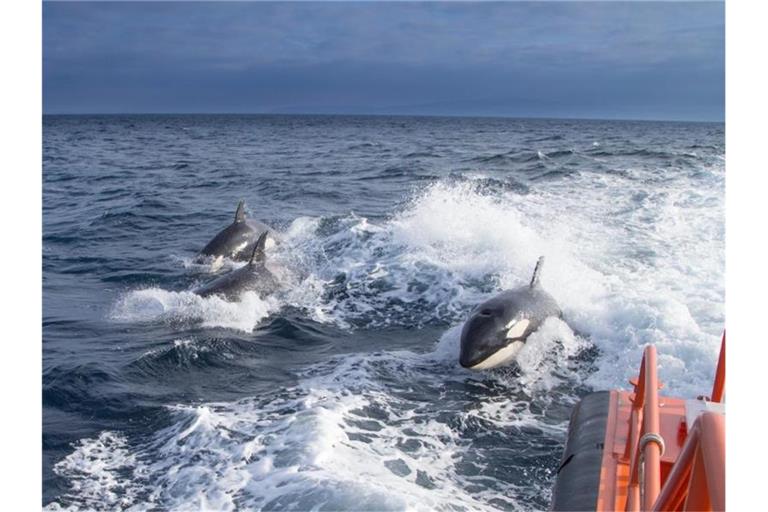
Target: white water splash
<point>153,304</point>
<point>627,272</point>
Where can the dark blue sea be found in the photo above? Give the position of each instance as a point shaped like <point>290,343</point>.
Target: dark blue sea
<point>342,390</point>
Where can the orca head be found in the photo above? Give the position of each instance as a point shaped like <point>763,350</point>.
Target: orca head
<point>497,329</point>
<point>493,335</point>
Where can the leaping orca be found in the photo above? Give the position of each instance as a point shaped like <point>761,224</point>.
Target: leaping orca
<point>498,328</point>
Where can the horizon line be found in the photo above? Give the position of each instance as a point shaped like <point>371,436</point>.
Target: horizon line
<point>337,114</point>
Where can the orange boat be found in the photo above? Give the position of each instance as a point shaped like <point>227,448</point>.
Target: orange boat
<point>638,450</point>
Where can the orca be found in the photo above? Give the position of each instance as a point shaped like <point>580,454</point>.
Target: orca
<point>497,329</point>
<point>254,276</point>
<point>237,240</point>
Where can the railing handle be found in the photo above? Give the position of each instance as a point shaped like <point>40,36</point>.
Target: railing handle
<point>718,388</point>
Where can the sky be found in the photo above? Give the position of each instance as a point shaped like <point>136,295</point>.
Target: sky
<point>603,60</point>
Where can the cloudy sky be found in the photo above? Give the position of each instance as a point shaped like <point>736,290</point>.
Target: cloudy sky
<point>627,60</point>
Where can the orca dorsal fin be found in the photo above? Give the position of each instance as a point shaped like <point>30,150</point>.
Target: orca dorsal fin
<point>240,212</point>
<point>537,272</point>
<point>258,250</point>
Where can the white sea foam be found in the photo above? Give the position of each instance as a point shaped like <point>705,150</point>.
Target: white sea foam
<point>153,304</point>
<point>102,474</point>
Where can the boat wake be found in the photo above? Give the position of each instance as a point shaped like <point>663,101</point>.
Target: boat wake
<point>455,243</point>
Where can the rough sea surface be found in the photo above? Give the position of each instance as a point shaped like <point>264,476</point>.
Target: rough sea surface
<point>343,390</point>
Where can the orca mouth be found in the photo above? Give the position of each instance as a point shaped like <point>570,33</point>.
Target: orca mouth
<point>467,362</point>
<point>470,360</point>
<point>500,357</point>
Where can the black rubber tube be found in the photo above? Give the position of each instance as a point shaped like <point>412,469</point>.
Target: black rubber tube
<point>578,477</point>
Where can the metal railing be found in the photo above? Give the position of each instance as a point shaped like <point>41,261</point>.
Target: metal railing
<point>697,479</point>
<point>645,444</point>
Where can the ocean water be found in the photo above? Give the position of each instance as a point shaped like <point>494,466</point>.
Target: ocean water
<point>342,391</point>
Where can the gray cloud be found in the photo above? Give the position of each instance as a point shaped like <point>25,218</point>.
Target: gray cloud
<point>640,60</point>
